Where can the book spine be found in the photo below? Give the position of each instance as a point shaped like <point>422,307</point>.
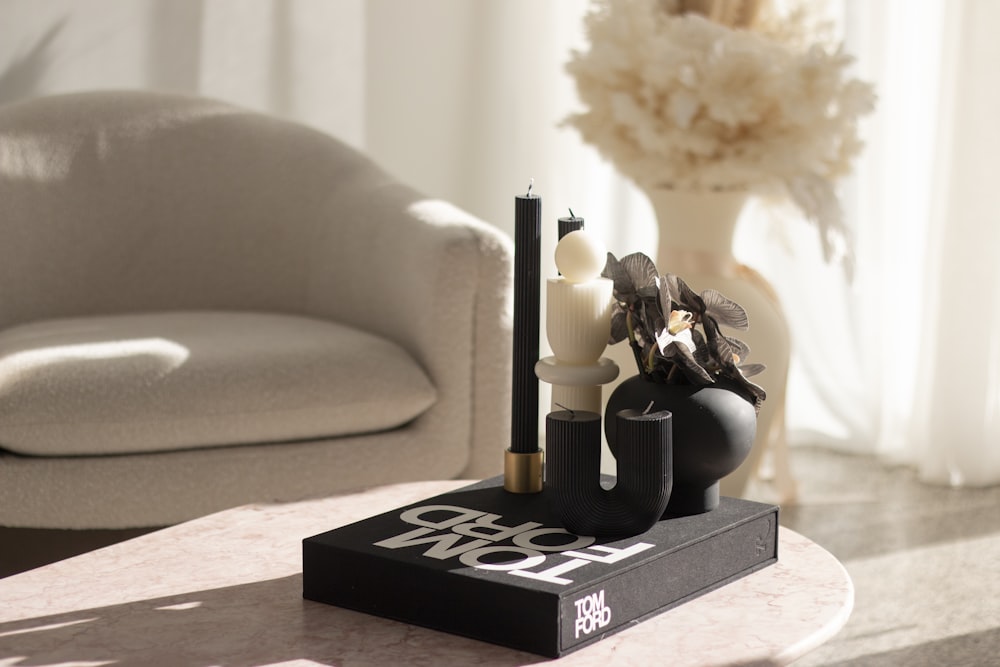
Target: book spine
<point>596,611</point>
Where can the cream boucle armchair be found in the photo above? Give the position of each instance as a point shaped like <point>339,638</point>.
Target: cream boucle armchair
<point>204,307</point>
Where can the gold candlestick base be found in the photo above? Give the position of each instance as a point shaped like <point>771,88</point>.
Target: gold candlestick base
<point>522,472</point>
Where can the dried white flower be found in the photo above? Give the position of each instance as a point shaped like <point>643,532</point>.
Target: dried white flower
<point>722,94</point>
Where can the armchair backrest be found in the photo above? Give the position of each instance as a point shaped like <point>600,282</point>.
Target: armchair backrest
<point>133,201</point>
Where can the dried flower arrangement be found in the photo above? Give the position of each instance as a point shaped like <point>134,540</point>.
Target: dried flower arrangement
<point>658,316</point>
<point>722,95</point>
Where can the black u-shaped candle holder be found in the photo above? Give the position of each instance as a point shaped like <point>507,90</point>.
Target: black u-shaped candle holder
<point>573,472</point>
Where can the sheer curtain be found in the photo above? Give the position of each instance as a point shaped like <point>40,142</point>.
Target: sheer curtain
<point>463,100</point>
<point>954,425</point>
<point>905,361</point>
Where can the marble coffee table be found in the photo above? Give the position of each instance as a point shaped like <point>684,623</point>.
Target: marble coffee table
<point>226,589</point>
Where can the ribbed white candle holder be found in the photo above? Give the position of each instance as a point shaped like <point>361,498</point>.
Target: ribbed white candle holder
<point>578,319</point>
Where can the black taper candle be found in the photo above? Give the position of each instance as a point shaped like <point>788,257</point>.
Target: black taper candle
<point>527,288</point>
<point>570,224</point>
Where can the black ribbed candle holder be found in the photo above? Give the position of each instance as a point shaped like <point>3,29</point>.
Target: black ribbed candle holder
<point>573,471</point>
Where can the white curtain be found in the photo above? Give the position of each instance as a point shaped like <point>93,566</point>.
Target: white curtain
<point>463,98</point>
<point>905,361</point>
<point>945,243</point>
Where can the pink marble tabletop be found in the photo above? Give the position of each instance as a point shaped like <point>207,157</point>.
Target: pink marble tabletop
<point>226,589</point>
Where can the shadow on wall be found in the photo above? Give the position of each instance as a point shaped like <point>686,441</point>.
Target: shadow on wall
<point>21,77</point>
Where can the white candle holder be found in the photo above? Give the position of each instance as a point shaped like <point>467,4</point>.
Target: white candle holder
<point>578,324</point>
<point>576,387</point>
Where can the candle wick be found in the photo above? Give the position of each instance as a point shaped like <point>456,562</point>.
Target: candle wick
<point>572,414</point>
<point>648,408</point>
<point>531,184</point>
<point>571,213</point>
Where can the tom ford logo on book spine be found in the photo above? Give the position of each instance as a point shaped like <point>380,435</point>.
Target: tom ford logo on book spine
<point>526,550</point>
<point>591,613</point>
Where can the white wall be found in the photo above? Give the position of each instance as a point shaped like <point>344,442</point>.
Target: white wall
<point>295,58</point>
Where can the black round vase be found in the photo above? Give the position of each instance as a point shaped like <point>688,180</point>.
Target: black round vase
<point>713,431</point>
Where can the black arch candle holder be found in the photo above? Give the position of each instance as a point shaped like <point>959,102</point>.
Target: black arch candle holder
<point>573,472</point>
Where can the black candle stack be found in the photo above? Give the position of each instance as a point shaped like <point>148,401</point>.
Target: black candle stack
<point>523,461</point>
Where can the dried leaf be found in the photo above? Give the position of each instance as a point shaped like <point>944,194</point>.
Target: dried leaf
<point>684,358</point>
<point>740,349</point>
<point>619,328</point>
<point>640,269</point>
<point>724,310</point>
<point>683,295</point>
<point>614,271</point>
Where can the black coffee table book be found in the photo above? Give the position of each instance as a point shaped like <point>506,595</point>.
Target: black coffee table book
<point>426,567</point>
<point>492,560</point>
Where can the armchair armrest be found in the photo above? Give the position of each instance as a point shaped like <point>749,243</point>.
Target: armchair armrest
<point>435,280</point>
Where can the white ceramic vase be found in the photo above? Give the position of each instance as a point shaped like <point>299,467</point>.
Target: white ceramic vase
<point>696,239</point>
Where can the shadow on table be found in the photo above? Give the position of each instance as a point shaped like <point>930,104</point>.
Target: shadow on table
<point>251,624</point>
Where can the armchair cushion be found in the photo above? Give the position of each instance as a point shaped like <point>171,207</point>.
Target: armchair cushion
<point>183,380</point>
